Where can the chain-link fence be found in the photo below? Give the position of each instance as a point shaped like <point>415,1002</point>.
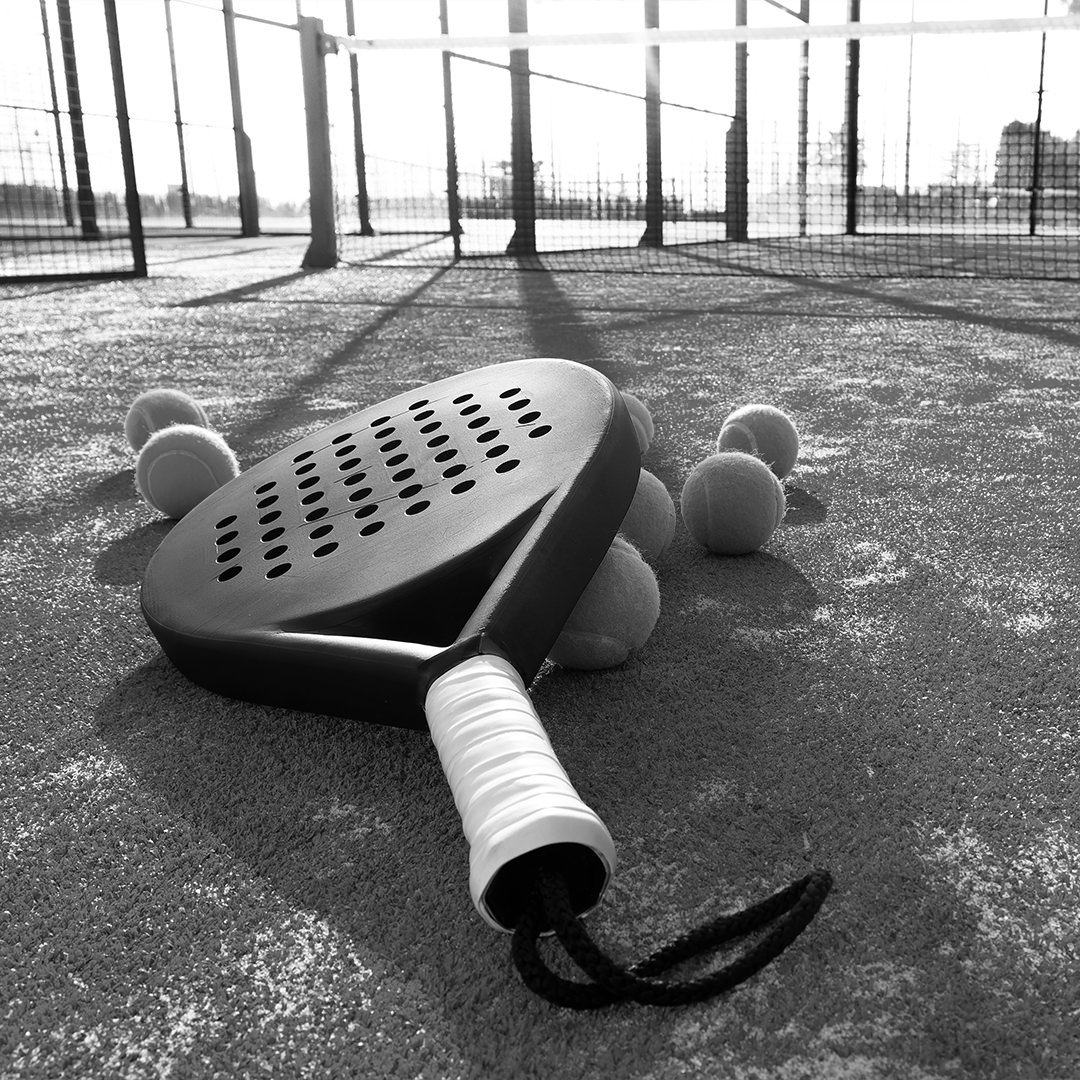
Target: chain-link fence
<point>788,149</point>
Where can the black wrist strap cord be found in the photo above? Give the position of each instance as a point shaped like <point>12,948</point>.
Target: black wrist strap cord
<point>790,911</point>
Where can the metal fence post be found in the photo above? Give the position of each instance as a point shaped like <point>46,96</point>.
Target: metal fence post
<point>851,128</point>
<point>363,205</point>
<point>127,154</point>
<point>737,208</point>
<point>65,189</point>
<point>1036,145</point>
<point>804,119</point>
<point>185,190</point>
<point>245,167</point>
<point>654,181</point>
<point>453,199</point>
<point>523,171</point>
<point>84,189</point>
<point>322,251</point>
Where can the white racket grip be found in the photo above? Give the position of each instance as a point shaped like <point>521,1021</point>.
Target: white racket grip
<point>513,795</point>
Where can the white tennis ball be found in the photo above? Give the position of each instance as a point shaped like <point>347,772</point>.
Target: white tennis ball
<point>649,524</point>
<point>764,431</point>
<point>157,409</point>
<point>615,614</point>
<point>180,465</point>
<point>732,503</point>
<point>643,421</point>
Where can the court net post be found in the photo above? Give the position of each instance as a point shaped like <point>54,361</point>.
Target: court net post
<point>322,251</point>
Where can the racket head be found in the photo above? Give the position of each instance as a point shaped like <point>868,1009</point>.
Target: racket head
<point>347,571</point>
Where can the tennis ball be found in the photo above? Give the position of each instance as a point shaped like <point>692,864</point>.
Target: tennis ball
<point>157,409</point>
<point>732,503</point>
<point>643,421</point>
<point>765,431</point>
<point>180,465</point>
<point>614,615</point>
<point>650,522</point>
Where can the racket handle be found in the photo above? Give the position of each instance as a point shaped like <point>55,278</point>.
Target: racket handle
<point>513,795</point>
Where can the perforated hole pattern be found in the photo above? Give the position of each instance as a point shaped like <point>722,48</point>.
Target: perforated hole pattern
<point>351,488</point>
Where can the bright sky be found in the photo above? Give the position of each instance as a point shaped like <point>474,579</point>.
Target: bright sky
<point>963,90</point>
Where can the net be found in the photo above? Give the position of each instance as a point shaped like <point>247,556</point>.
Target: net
<point>389,154</point>
<point>831,138</point>
<point>175,66</point>
<point>63,189</point>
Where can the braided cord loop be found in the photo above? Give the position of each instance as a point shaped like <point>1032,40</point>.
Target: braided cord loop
<point>789,911</point>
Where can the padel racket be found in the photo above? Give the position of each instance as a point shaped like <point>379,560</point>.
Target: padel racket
<point>413,564</point>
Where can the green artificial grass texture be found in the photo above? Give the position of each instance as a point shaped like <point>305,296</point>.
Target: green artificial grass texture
<point>197,887</point>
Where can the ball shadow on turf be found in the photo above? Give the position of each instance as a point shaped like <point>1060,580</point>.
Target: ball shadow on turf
<point>123,561</point>
<point>803,507</point>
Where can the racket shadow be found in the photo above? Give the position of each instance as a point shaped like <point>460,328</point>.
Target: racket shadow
<point>698,710</point>
<point>346,819</point>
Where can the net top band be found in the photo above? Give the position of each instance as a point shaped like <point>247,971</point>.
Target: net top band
<point>647,37</point>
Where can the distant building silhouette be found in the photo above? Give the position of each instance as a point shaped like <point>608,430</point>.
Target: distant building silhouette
<point>1059,164</point>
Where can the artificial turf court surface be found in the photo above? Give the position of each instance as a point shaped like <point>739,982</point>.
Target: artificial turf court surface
<point>195,887</point>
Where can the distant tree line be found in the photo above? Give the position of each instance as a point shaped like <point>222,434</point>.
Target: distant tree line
<point>44,204</point>
<point>1059,173</point>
